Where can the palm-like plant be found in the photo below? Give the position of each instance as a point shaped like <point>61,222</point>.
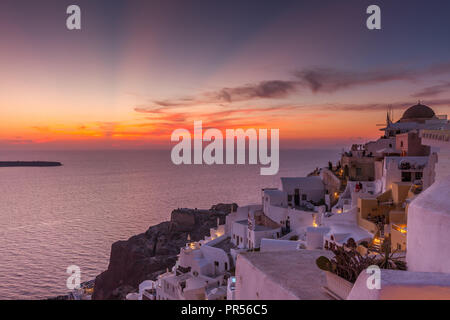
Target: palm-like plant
<point>388,259</point>
<point>349,263</point>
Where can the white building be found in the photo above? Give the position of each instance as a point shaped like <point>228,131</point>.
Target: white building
<point>417,117</point>
<point>377,146</point>
<point>429,215</point>
<point>246,233</point>
<point>354,190</point>
<point>439,140</point>
<point>201,272</point>
<point>428,229</point>
<point>300,203</point>
<point>340,234</point>
<point>303,191</point>
<point>272,245</point>
<point>409,169</point>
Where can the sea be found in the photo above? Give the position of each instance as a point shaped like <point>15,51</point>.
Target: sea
<point>55,217</point>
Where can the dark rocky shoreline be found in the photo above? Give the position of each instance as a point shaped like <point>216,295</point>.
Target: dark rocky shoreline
<point>149,254</point>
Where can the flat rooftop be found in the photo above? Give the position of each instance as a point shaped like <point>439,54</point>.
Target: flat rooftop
<point>226,245</point>
<point>298,272</point>
<point>257,227</point>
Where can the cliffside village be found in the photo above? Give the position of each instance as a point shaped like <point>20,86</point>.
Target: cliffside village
<point>390,196</point>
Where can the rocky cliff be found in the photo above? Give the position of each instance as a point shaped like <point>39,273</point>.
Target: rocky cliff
<point>145,256</point>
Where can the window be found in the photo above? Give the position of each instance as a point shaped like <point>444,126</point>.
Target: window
<point>304,197</point>
<point>401,144</point>
<point>358,171</point>
<point>406,176</point>
<point>418,175</point>
<point>226,266</point>
<point>297,197</point>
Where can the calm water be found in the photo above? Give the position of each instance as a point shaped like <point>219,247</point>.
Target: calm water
<point>51,218</point>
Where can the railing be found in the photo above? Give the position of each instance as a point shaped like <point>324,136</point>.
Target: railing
<point>439,135</point>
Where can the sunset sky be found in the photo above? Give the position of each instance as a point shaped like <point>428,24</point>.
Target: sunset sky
<point>140,69</point>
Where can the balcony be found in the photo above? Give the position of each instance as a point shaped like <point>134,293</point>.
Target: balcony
<point>437,135</point>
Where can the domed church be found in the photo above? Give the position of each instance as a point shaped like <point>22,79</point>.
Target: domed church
<point>416,117</point>
<point>418,113</point>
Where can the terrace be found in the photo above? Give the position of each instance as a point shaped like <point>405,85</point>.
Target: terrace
<point>262,276</point>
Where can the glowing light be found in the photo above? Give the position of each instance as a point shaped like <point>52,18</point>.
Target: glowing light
<point>401,228</point>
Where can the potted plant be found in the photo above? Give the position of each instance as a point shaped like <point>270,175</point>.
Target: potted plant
<point>346,265</point>
<point>343,269</point>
